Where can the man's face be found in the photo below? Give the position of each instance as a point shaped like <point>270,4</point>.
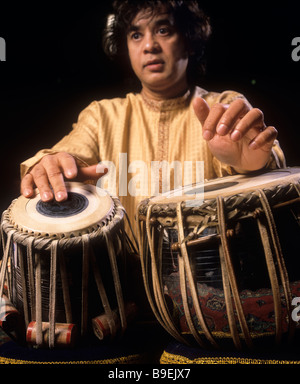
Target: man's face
<point>157,52</point>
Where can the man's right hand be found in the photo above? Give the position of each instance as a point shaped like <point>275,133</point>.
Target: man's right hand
<point>52,170</point>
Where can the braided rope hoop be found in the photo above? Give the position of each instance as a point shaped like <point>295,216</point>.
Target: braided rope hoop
<point>254,197</point>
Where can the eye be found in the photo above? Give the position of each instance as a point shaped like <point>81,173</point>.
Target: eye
<point>164,31</point>
<point>135,36</point>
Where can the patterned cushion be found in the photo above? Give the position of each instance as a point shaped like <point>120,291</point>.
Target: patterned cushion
<point>258,307</point>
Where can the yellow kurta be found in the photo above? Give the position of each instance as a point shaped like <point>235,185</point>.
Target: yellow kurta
<point>141,131</point>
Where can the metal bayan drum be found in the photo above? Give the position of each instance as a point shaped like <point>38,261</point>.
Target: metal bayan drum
<point>223,273</point>
<point>63,267</point>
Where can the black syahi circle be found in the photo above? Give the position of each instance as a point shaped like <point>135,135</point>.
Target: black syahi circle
<point>75,204</point>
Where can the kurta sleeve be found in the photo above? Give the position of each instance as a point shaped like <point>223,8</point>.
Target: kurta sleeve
<point>277,158</point>
<point>82,142</point>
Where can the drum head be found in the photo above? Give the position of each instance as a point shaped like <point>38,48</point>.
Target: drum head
<point>229,186</point>
<point>86,209</point>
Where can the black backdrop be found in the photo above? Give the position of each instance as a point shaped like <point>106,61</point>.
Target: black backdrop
<point>55,67</point>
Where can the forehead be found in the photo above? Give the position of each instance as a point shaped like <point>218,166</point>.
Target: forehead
<point>152,16</point>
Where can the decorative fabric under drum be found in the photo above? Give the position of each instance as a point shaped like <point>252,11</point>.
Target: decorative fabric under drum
<point>63,274</point>
<point>176,353</point>
<point>225,269</point>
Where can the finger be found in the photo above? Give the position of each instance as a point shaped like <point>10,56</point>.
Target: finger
<point>68,165</point>
<point>236,110</point>
<point>55,177</point>
<point>40,178</point>
<point>201,109</point>
<point>92,172</point>
<point>27,186</point>
<point>212,120</point>
<point>265,139</point>
<point>101,169</point>
<point>253,119</point>
<point>209,118</point>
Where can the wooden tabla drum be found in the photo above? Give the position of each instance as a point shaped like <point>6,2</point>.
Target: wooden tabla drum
<point>63,266</point>
<point>222,271</point>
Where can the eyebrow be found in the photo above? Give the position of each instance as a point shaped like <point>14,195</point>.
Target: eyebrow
<point>157,23</point>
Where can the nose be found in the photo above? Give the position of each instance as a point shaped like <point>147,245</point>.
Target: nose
<point>151,44</point>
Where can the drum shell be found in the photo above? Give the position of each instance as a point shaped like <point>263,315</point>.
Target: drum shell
<point>73,260</point>
<point>64,278</point>
<point>162,252</point>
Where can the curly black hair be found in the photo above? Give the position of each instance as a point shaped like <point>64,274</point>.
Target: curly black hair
<point>191,21</point>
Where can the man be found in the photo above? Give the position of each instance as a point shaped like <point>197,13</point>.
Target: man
<point>170,120</point>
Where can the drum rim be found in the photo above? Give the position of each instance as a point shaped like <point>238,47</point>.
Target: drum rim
<point>96,231</point>
<point>168,208</point>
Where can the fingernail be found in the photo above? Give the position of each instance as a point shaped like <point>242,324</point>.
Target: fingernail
<point>236,135</point>
<point>70,174</point>
<point>27,192</point>
<point>47,196</point>
<point>60,196</point>
<point>222,129</point>
<point>253,145</point>
<point>207,135</point>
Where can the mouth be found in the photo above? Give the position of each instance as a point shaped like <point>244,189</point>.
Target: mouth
<point>154,64</point>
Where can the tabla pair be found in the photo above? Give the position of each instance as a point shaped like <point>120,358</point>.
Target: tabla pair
<point>220,273</point>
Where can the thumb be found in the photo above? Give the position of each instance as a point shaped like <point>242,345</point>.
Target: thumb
<point>92,172</point>
<point>201,109</point>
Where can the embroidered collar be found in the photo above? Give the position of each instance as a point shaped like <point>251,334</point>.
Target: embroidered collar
<point>167,105</point>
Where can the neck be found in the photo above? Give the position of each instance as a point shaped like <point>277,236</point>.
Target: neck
<point>166,94</point>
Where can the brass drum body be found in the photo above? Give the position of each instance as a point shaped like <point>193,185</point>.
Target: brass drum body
<point>63,265</point>
<point>223,271</point>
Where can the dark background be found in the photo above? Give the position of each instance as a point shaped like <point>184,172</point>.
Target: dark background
<point>55,67</point>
